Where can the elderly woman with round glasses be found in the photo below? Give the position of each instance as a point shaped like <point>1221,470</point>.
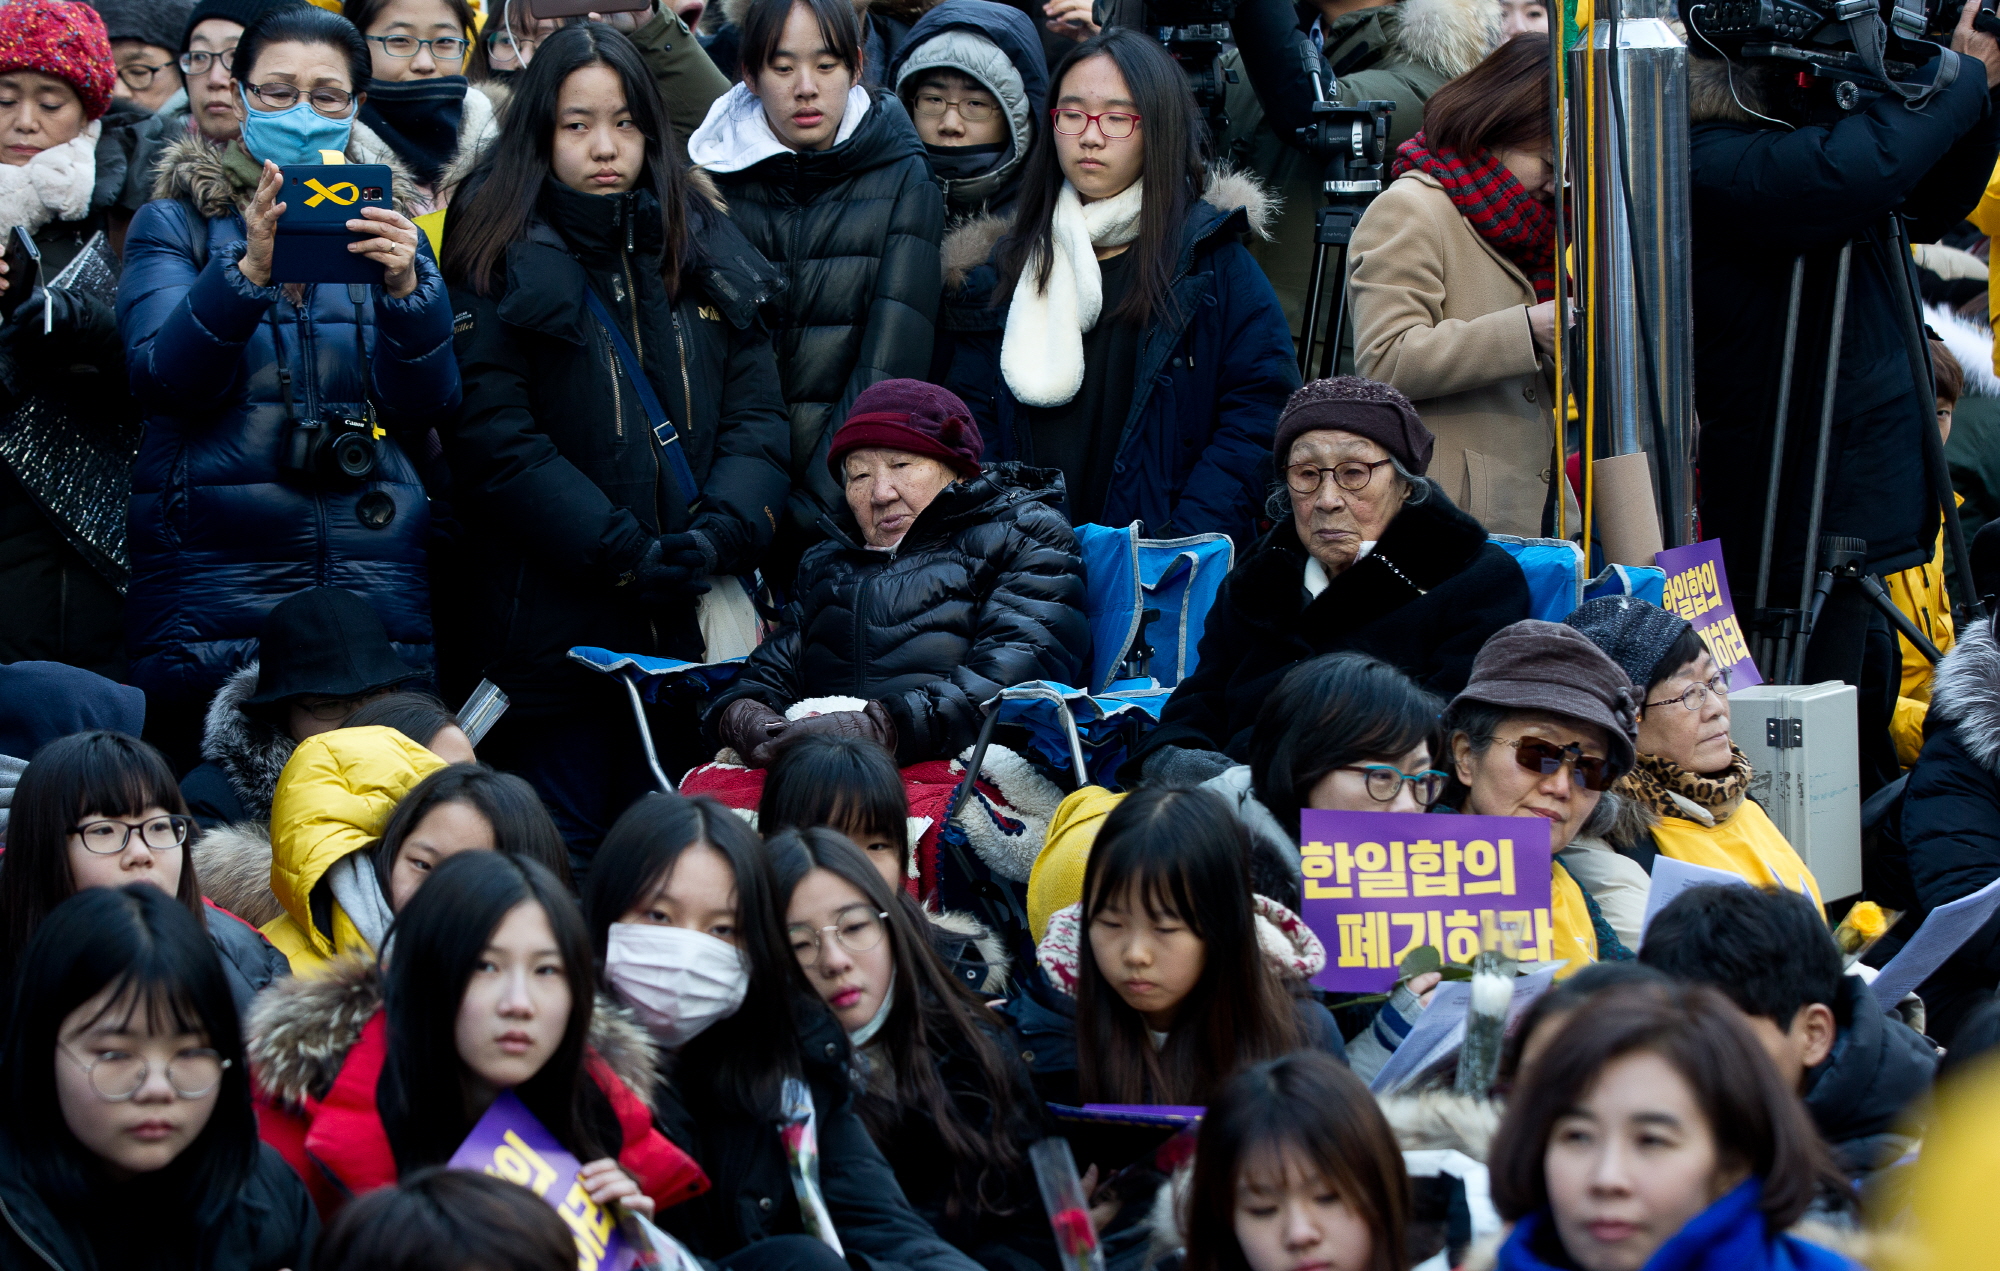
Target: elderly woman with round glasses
<point>1688,798</point>
<point>1373,558</point>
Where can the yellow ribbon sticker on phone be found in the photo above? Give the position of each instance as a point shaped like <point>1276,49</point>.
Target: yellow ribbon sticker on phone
<point>353,192</point>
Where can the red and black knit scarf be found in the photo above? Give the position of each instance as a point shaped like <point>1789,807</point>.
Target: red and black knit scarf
<point>1521,227</point>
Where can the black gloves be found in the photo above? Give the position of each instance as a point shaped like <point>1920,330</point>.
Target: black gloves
<point>759,734</point>
<point>68,314</point>
<point>673,568</point>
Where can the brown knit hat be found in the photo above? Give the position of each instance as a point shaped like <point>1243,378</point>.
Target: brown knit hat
<point>1363,407</point>
<point>1546,666</point>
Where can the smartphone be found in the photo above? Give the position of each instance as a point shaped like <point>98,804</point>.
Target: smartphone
<point>24,269</point>
<point>320,199</point>
<point>543,10</point>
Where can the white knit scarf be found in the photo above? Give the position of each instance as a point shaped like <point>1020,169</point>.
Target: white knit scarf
<point>54,185</point>
<point>1041,354</point>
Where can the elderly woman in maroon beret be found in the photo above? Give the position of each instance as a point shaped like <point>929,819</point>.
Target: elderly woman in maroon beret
<point>1372,557</point>
<point>943,582</point>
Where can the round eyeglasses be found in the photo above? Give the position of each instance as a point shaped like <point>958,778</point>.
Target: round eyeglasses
<point>1385,782</point>
<point>445,48</point>
<point>506,50</point>
<point>109,838</point>
<point>138,75</point>
<point>933,106</point>
<point>1116,125</point>
<point>1696,695</point>
<point>198,61</point>
<point>857,931</point>
<point>118,1075</point>
<point>1305,478</point>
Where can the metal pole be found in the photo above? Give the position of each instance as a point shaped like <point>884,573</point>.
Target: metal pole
<point>1769,641</point>
<point>1814,515</point>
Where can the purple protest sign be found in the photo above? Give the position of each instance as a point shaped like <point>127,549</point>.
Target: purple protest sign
<point>1380,884</point>
<point>511,1143</point>
<point>1697,589</point>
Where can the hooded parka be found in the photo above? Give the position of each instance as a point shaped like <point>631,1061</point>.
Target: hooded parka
<point>333,800</point>
<point>1862,1094</point>
<point>1424,600</point>
<point>318,1048</point>
<point>558,474</point>
<point>985,591</point>
<point>267,1225</point>
<point>1215,367</point>
<point>997,47</point>
<point>220,533</point>
<point>1760,197</point>
<point>854,231</point>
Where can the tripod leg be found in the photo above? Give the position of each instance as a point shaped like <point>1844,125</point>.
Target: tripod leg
<point>1309,320</point>
<point>1778,435</point>
<point>1336,322</point>
<point>1840,277</point>
<point>1878,595</point>
<point>1821,587</point>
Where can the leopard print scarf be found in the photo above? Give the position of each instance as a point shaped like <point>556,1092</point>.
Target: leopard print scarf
<point>1665,788</point>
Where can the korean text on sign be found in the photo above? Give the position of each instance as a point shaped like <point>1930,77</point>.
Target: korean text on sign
<point>1378,885</point>
<point>1697,589</point>
<point>510,1143</point>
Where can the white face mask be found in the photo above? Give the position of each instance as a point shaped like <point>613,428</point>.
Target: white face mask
<point>678,981</point>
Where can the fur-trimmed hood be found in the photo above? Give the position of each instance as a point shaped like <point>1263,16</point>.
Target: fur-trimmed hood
<point>1971,342</point>
<point>1966,694</point>
<point>1289,946</point>
<point>301,1029</point>
<point>250,748</point>
<point>971,243</point>
<point>1447,36</point>
<point>478,129</point>
<point>234,865</point>
<point>191,169</point>
<point>951,930</point>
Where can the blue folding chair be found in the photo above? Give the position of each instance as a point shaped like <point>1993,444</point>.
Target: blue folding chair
<point>1555,571</point>
<point>649,679</point>
<point>1645,582</point>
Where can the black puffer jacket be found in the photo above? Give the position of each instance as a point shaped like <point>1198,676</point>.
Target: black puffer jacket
<point>557,469</point>
<point>1859,1095</point>
<point>855,230</point>
<point>985,591</point>
<point>1424,600</point>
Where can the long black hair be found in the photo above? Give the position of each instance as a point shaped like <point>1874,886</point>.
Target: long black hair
<point>1179,852</point>
<point>157,961</point>
<point>932,1014</point>
<point>747,1056</point>
<point>521,824</point>
<point>302,24</point>
<point>498,201</point>
<point>1337,709</point>
<point>97,771</point>
<point>438,939</point>
<point>848,783</point>
<point>1176,166</point>
<point>447,1220</point>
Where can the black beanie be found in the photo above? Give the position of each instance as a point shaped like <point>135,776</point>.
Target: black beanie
<point>159,23</point>
<point>243,12</point>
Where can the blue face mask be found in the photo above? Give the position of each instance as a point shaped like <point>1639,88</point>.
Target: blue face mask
<point>294,135</point>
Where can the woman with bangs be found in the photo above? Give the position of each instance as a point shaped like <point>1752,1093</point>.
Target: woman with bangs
<point>101,809</point>
<point>127,1138</point>
<point>1174,992</point>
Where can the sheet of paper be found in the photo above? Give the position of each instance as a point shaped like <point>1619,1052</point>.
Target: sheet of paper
<point>1672,877</point>
<point>1441,1027</point>
<point>1944,931</point>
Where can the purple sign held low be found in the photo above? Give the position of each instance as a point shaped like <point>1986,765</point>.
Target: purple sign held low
<point>511,1143</point>
<point>1379,885</point>
<point>1697,589</point>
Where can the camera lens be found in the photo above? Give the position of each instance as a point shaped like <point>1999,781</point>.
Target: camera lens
<point>353,455</point>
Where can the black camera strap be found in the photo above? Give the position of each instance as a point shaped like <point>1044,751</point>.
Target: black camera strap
<point>1870,36</point>
<point>356,292</point>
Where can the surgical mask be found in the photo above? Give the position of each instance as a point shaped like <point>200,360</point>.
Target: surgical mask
<point>678,981</point>
<point>294,135</point>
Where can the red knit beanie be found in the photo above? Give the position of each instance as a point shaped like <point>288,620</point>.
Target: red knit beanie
<point>62,40</point>
<point>909,415</point>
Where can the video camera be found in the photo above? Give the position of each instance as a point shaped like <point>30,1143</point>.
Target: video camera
<point>1195,33</point>
<point>1859,49</point>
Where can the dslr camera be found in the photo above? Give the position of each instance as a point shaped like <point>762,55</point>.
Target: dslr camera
<point>336,447</point>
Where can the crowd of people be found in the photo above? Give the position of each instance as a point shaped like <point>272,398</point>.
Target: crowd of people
<point>811,346</point>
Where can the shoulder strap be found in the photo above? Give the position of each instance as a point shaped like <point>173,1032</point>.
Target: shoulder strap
<point>649,401</point>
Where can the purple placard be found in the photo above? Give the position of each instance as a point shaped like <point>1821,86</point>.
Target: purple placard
<point>1697,588</point>
<point>511,1143</point>
<point>1380,884</point>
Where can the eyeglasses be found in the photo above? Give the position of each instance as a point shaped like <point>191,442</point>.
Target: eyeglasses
<point>446,48</point>
<point>327,101</point>
<point>1696,695</point>
<point>198,61</point>
<point>139,75</point>
<point>109,838</point>
<point>1305,478</point>
<point>1547,758</point>
<point>1386,782</point>
<point>857,932</point>
<point>1116,125</point>
<point>505,49</point>
<point>117,1075</point>
<point>330,709</point>
<point>933,105</point>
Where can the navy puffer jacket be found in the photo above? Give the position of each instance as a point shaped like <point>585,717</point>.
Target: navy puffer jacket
<point>1214,371</point>
<point>219,535</point>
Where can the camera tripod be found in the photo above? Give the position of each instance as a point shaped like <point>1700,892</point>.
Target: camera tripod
<point>1354,141</point>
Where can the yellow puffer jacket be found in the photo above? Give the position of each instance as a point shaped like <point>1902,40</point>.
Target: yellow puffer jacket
<point>1056,881</point>
<point>1745,843</point>
<point>333,799</point>
<point>1570,929</point>
<point>1920,593</point>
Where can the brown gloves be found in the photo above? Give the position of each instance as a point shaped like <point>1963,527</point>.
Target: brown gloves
<point>759,734</point>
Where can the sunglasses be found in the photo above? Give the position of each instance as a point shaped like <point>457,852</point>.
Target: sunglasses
<point>1547,758</point>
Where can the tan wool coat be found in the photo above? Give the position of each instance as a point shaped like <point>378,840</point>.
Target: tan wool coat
<point>1442,315</point>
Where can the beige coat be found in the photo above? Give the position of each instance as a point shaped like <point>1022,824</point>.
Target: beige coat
<point>1443,316</point>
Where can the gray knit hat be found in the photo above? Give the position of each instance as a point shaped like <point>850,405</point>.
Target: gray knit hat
<point>1636,634</point>
<point>1546,666</point>
<point>159,23</point>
